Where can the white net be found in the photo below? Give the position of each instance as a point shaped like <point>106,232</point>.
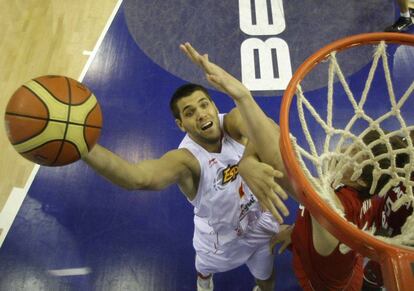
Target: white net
<point>341,149</point>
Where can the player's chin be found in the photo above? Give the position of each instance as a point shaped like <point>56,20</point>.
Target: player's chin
<point>211,132</point>
<point>211,136</point>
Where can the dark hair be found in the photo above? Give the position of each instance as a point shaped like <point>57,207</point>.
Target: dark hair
<point>401,159</point>
<point>184,91</point>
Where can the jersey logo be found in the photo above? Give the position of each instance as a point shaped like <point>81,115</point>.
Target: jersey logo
<point>230,174</point>
<point>212,162</point>
<point>246,207</point>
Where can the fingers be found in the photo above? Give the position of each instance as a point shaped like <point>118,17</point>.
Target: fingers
<point>189,50</point>
<point>268,206</point>
<point>277,189</point>
<point>275,196</point>
<point>209,68</point>
<point>274,186</point>
<point>276,201</point>
<point>262,193</point>
<point>283,247</point>
<point>287,241</point>
<point>185,50</point>
<point>280,192</point>
<point>278,238</point>
<point>284,227</point>
<point>283,236</point>
<point>269,192</point>
<point>193,55</point>
<point>215,75</point>
<point>205,64</point>
<point>276,173</point>
<point>273,241</point>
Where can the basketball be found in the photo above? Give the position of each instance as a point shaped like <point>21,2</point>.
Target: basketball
<point>53,120</point>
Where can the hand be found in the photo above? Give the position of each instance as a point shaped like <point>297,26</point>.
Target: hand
<point>283,237</point>
<point>216,76</point>
<point>260,178</point>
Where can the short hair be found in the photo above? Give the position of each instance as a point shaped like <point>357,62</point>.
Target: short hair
<point>401,159</point>
<point>184,91</point>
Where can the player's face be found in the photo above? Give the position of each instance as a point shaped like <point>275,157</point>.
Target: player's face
<point>199,118</point>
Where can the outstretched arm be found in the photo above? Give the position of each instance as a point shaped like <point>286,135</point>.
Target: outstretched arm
<point>173,167</point>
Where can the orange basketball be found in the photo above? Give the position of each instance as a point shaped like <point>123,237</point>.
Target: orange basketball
<point>53,120</point>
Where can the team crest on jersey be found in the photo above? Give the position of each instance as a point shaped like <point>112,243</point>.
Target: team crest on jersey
<point>230,174</point>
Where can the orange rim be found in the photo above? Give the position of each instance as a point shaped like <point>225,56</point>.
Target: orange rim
<point>397,262</point>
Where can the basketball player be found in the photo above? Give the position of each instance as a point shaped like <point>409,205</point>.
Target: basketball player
<point>230,227</point>
<point>404,21</point>
<point>388,224</point>
<point>320,262</point>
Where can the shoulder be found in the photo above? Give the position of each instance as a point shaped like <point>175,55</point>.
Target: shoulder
<point>181,156</point>
<point>234,127</point>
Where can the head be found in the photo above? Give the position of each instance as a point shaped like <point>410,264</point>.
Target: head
<point>196,114</point>
<point>365,180</point>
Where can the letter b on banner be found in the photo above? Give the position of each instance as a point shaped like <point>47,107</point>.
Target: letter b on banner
<point>265,65</point>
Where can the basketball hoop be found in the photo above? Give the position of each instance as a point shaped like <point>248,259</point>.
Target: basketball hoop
<point>307,158</point>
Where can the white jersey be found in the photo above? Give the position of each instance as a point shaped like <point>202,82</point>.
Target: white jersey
<point>224,206</point>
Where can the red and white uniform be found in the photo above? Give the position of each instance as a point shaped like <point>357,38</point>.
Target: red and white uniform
<point>336,271</point>
<point>230,229</point>
<point>388,223</point>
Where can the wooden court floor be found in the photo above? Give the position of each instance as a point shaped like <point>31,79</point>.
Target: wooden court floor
<point>41,37</point>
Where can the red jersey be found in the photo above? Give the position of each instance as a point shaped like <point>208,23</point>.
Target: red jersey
<point>390,222</point>
<point>336,271</point>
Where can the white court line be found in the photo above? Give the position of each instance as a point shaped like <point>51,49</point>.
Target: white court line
<point>13,204</point>
<point>17,195</point>
<point>99,42</point>
<point>69,272</point>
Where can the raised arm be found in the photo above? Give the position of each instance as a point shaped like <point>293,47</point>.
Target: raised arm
<point>258,127</point>
<point>248,119</point>
<point>173,167</point>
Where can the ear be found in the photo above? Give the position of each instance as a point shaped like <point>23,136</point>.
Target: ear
<point>179,124</point>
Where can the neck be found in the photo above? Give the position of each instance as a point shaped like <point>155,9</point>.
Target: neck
<point>210,146</point>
